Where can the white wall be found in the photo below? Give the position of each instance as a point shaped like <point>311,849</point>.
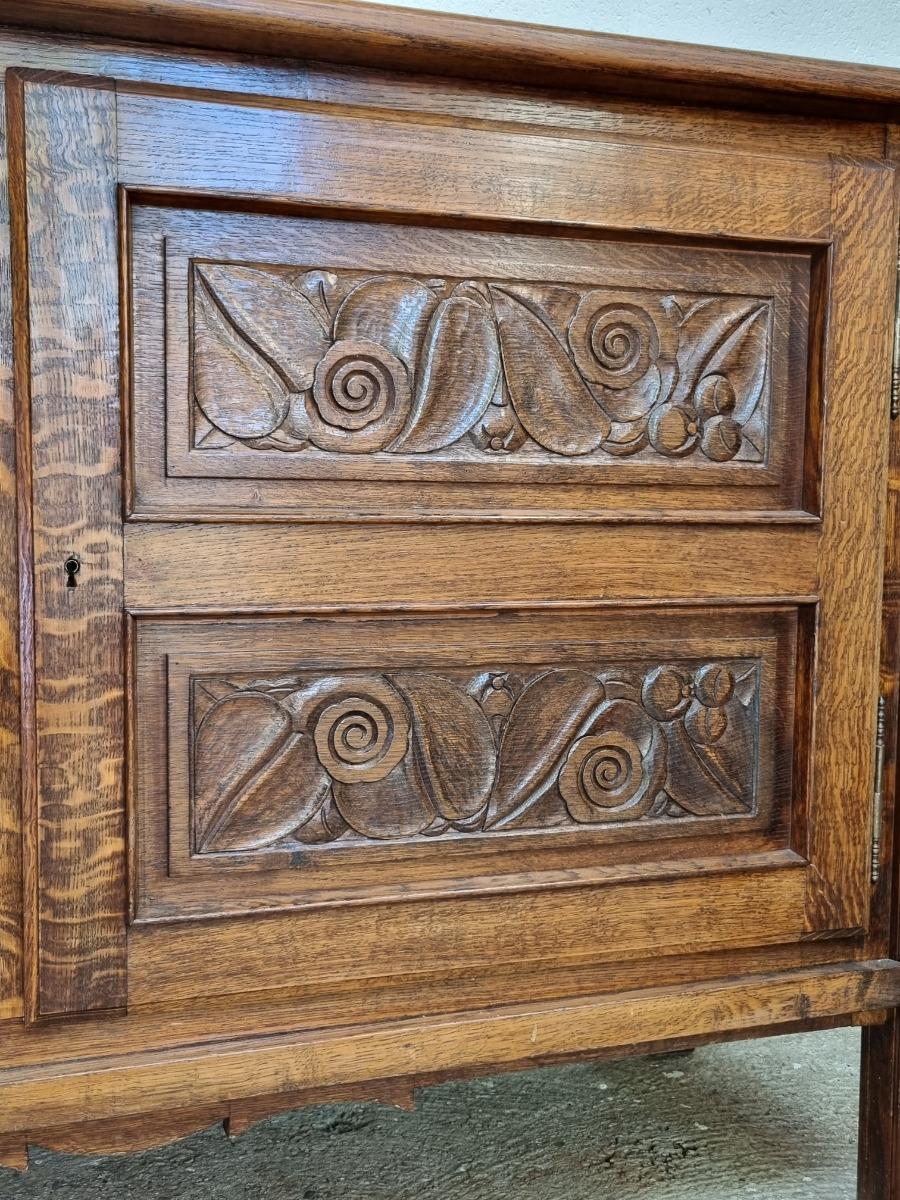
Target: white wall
<point>850,30</point>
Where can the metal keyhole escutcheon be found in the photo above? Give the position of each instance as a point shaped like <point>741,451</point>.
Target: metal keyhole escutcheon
<point>72,566</point>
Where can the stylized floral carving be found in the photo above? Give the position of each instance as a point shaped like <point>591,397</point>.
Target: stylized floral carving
<point>255,778</point>
<point>626,350</point>
<point>314,758</point>
<point>458,375</point>
<point>348,363</point>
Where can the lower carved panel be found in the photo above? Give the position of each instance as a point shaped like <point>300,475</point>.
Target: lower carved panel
<point>289,761</point>
<point>314,757</point>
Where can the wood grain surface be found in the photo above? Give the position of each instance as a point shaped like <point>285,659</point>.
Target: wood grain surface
<point>63,164</point>
<point>10,749</point>
<point>661,369</point>
<point>522,753</point>
<point>366,162</point>
<point>527,1033</point>
<point>273,213</point>
<point>879,1127</point>
<point>444,44</point>
<point>857,379</point>
<point>481,567</point>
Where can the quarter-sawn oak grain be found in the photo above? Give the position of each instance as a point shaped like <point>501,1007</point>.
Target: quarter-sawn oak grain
<point>73,798</point>
<point>386,626</point>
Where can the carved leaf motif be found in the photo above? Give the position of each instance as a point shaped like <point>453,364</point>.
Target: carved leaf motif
<point>391,310</point>
<point>254,778</point>
<point>549,714</point>
<point>460,365</point>
<point>384,364</point>
<point>692,782</point>
<point>275,318</point>
<point>729,759</point>
<point>741,358</point>
<point>235,388</point>
<point>727,339</point>
<point>319,287</point>
<point>420,754</point>
<point>452,743</point>
<point>550,398</point>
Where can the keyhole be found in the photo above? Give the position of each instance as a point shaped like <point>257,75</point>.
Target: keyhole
<point>71,566</point>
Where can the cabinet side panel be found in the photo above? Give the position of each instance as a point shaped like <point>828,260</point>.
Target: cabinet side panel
<point>64,242</point>
<point>879,1114</point>
<point>10,832</point>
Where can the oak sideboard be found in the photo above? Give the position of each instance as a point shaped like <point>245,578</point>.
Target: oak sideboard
<point>449,563</point>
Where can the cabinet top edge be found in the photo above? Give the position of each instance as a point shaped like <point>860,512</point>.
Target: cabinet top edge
<point>356,34</point>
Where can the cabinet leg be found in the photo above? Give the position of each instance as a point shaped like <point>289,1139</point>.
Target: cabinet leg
<point>879,1112</point>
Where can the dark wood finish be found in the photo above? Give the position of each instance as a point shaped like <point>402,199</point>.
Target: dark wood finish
<point>62,163</point>
<point>455,752</point>
<point>10,746</point>
<point>443,44</point>
<point>466,682</point>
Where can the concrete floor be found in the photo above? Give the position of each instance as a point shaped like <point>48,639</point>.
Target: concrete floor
<point>773,1119</point>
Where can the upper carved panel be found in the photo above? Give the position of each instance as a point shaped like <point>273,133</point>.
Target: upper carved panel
<point>306,360</point>
<point>316,757</point>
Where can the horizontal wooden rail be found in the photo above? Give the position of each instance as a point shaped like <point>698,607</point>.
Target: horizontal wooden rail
<point>382,36</point>
<point>120,1085</point>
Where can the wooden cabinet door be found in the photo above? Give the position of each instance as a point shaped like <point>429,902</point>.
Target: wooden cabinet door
<point>478,537</point>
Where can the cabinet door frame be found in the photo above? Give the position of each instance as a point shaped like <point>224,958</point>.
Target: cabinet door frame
<point>149,141</point>
<point>62,157</point>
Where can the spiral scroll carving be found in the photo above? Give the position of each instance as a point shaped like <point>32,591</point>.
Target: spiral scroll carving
<point>615,771</point>
<point>601,772</point>
<point>360,397</point>
<point>362,736</point>
<point>613,344</point>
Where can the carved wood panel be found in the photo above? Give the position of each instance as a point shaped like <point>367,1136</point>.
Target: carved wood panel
<point>319,757</point>
<point>461,370</point>
<point>327,756</point>
<point>348,362</point>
